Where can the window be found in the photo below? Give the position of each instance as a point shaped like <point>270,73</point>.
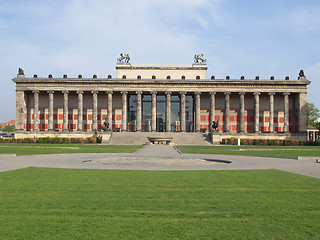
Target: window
<point>198,77</point>
<point>183,77</point>
<point>138,77</point>
<point>168,77</point>
<point>153,77</point>
<point>124,77</point>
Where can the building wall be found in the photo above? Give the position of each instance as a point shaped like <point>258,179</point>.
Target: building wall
<point>162,73</point>
<point>254,123</point>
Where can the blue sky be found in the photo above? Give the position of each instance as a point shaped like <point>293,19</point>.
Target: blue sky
<point>238,37</point>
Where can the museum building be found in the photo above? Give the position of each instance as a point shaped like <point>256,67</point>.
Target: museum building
<point>161,98</point>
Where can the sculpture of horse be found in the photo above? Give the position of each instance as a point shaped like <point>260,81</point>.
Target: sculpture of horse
<point>124,58</point>
<point>199,58</point>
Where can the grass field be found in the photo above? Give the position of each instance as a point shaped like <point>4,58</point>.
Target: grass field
<point>264,151</point>
<point>31,149</point>
<point>41,203</point>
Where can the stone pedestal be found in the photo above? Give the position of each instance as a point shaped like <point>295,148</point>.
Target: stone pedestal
<point>106,137</point>
<point>215,138</point>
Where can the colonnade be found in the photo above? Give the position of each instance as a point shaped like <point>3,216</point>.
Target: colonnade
<point>21,102</point>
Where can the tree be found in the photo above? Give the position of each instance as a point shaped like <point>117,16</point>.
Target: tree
<point>8,128</point>
<point>313,114</point>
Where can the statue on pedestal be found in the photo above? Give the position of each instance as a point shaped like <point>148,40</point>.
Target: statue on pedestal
<point>106,127</point>
<point>215,126</point>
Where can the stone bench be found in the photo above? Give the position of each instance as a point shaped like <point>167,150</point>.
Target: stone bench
<point>160,140</point>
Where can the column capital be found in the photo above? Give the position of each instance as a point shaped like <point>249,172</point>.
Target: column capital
<point>80,92</point>
<point>256,93</point>
<point>111,92</point>
<point>242,93</point>
<point>20,90</point>
<point>227,93</point>
<point>50,91</point>
<point>197,93</point>
<point>271,93</point>
<point>183,93</point>
<point>95,92</point>
<point>286,94</point>
<point>138,92</point>
<point>212,93</point>
<point>168,93</point>
<point>65,91</point>
<point>153,92</point>
<point>124,92</point>
<point>35,91</point>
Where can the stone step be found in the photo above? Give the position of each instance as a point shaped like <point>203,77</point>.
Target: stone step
<point>136,138</point>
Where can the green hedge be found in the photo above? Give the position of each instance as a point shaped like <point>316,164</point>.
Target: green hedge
<point>270,142</point>
<point>55,140</point>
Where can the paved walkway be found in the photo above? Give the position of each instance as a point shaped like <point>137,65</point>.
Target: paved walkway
<point>158,157</point>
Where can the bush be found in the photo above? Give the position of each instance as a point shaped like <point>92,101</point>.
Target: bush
<point>55,140</point>
<point>287,143</point>
<point>295,142</point>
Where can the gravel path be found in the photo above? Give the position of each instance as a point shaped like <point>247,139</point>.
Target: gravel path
<point>158,157</point>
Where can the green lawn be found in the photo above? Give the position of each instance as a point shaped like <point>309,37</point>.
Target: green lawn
<point>273,151</point>
<point>41,203</point>
<point>31,149</point>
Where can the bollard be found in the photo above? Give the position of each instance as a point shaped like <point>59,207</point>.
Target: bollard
<point>238,141</point>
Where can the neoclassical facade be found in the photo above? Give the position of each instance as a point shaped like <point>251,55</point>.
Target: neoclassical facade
<point>161,98</point>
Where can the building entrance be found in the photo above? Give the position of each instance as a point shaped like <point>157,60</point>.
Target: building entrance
<point>161,113</point>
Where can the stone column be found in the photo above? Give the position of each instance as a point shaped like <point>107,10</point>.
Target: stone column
<point>50,117</point>
<point>302,105</point>
<point>65,110</point>
<point>80,110</point>
<point>139,111</point>
<point>242,111</point>
<point>212,109</point>
<point>256,111</point>
<point>197,111</point>
<point>124,111</point>
<point>271,112</point>
<point>36,111</point>
<point>95,111</point>
<point>182,111</point>
<point>109,109</point>
<point>286,112</point>
<point>20,110</point>
<point>168,112</point>
<point>227,112</point>
<point>154,112</point>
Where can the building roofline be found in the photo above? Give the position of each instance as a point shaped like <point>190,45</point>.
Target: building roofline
<point>149,80</point>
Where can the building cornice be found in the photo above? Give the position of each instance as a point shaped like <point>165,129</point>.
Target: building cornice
<point>89,81</point>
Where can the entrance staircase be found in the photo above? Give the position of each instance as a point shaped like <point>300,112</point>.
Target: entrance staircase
<point>138,138</point>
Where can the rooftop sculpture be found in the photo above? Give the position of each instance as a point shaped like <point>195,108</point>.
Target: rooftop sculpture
<point>199,58</point>
<point>124,58</point>
<point>20,71</point>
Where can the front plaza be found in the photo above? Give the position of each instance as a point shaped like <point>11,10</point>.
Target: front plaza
<point>161,98</point>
